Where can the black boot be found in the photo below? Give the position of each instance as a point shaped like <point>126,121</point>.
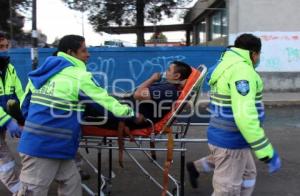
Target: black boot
<point>84,175</point>
<point>193,174</point>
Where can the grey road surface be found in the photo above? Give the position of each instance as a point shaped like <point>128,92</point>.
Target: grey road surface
<point>282,126</point>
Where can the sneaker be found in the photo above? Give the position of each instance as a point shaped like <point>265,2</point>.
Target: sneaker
<point>84,175</point>
<point>193,174</point>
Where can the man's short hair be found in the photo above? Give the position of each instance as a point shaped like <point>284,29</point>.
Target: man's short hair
<point>3,36</point>
<point>70,42</point>
<point>248,42</point>
<point>184,69</point>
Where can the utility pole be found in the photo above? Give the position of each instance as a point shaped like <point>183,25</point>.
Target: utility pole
<point>34,36</point>
<point>82,22</point>
<point>155,33</point>
<point>11,31</point>
<point>140,7</point>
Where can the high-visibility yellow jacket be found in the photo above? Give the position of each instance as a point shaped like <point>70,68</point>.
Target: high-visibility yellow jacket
<point>10,88</point>
<point>237,111</point>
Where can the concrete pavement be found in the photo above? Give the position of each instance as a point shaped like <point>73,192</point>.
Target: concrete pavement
<point>282,126</point>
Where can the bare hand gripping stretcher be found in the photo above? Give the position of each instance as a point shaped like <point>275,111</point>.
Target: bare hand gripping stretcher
<point>101,138</point>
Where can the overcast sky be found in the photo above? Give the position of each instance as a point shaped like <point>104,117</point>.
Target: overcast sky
<point>55,19</point>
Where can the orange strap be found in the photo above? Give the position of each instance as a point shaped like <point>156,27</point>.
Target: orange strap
<point>168,162</point>
<point>121,127</point>
<point>123,130</point>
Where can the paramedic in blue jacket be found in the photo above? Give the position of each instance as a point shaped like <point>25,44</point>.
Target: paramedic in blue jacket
<point>53,107</point>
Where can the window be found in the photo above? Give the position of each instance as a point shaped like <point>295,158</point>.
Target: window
<point>218,25</point>
<point>224,24</point>
<point>202,31</point>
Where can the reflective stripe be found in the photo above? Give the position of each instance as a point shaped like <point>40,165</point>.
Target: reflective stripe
<point>60,130</point>
<point>223,124</point>
<point>258,99</point>
<point>215,95</point>
<point>219,104</point>
<point>60,108</point>
<point>45,130</point>
<point>248,183</point>
<point>56,102</point>
<point>258,141</point>
<point>220,101</point>
<point>51,103</point>
<point>220,96</point>
<point>53,98</point>
<point>39,132</point>
<point>3,117</point>
<point>7,166</point>
<point>56,105</point>
<point>15,188</point>
<point>261,146</point>
<point>227,128</point>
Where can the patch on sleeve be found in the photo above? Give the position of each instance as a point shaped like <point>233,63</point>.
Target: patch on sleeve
<point>242,86</point>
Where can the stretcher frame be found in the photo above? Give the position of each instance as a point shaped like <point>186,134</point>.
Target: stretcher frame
<point>100,143</point>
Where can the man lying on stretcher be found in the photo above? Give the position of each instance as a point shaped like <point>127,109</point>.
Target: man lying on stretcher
<point>153,98</point>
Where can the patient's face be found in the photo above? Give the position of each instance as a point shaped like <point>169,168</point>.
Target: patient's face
<point>171,74</point>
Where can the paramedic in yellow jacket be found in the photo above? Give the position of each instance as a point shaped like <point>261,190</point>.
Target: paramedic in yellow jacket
<point>10,92</point>
<point>235,127</point>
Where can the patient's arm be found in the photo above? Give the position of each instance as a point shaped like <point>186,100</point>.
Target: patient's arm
<point>142,92</point>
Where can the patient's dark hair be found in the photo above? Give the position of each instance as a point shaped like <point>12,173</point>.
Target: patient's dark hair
<point>69,42</point>
<point>184,69</point>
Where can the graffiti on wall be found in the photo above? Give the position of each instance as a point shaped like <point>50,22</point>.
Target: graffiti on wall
<point>132,71</point>
<point>136,68</point>
<point>280,51</point>
<point>159,64</point>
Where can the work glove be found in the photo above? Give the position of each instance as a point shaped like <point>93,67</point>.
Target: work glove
<point>13,109</point>
<point>14,129</point>
<point>274,163</point>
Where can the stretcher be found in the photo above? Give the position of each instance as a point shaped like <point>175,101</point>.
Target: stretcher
<point>162,131</point>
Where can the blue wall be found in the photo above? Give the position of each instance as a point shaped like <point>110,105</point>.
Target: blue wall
<point>125,68</point>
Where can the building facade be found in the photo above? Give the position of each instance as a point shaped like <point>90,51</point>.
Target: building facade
<point>210,23</point>
<point>276,22</point>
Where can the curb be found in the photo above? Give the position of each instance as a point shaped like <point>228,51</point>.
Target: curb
<point>281,103</point>
<point>267,103</point>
